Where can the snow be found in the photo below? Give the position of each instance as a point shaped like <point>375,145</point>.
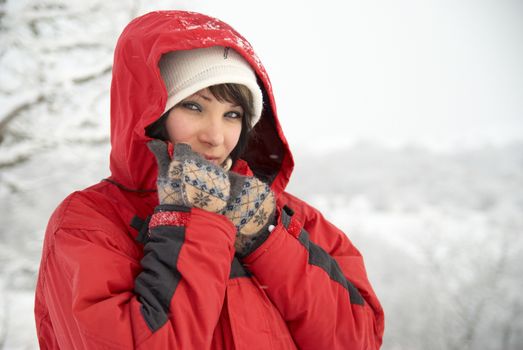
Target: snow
<point>440,235</point>
<point>433,198</point>
<point>21,330</point>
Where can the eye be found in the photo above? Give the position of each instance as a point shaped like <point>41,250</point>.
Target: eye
<point>234,115</point>
<point>193,106</point>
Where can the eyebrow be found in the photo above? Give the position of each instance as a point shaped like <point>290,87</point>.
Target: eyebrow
<point>203,96</point>
<point>209,99</point>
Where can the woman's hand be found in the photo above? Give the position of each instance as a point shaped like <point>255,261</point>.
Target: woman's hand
<point>191,181</point>
<point>251,209</point>
<point>188,179</point>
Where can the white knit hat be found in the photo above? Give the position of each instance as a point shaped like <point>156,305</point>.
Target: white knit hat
<point>188,71</point>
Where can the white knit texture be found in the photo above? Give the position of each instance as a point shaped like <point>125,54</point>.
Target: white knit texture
<point>186,72</point>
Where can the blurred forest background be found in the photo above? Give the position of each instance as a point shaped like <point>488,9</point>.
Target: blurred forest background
<point>440,228</point>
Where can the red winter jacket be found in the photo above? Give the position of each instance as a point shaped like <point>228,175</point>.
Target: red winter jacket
<point>107,281</point>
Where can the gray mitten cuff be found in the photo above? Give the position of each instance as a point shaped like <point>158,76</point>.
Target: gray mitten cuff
<point>245,245</point>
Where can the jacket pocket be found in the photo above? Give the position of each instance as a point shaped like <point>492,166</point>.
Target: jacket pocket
<point>255,321</point>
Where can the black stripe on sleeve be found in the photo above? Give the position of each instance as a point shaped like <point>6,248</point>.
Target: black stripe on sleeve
<point>322,259</point>
<point>156,284</point>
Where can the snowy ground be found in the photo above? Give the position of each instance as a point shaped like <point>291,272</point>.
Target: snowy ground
<point>19,332</point>
<point>442,237</point>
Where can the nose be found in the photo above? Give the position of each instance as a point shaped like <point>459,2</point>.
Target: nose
<point>212,132</point>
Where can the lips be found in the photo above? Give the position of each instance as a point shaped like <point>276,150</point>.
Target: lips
<point>211,159</point>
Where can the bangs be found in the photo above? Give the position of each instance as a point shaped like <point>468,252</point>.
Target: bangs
<point>236,94</point>
<point>239,95</point>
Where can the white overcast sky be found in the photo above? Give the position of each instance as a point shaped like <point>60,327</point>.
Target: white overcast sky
<point>442,73</point>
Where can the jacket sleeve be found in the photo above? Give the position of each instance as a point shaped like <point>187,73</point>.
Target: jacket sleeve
<point>317,280</point>
<point>102,296</point>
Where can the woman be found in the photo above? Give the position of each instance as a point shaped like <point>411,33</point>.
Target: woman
<point>192,242</point>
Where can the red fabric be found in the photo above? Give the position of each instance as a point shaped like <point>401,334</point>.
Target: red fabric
<point>85,297</point>
<point>294,227</point>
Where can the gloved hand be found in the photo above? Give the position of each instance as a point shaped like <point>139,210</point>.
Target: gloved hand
<point>251,209</point>
<point>188,179</point>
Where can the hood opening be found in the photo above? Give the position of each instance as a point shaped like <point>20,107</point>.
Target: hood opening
<point>138,97</point>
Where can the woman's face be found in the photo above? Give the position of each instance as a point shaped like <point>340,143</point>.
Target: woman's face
<point>211,127</point>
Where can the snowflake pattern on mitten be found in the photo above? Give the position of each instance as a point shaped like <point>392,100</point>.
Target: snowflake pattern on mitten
<point>204,185</point>
<point>251,208</point>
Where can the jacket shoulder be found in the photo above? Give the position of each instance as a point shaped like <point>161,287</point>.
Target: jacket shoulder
<point>85,209</point>
<point>320,229</point>
<point>303,211</point>
<point>94,215</point>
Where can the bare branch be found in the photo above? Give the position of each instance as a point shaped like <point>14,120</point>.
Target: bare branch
<point>92,76</point>
<point>66,47</point>
<point>21,158</point>
<point>17,110</point>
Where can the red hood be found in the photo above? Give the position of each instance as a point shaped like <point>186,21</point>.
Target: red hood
<point>138,96</point>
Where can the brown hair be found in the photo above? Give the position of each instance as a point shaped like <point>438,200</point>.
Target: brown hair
<point>229,92</point>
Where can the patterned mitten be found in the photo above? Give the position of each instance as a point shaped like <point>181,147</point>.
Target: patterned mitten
<point>188,179</point>
<point>251,209</point>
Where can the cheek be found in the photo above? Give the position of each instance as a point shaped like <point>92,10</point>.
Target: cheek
<point>232,136</point>
<point>179,129</point>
